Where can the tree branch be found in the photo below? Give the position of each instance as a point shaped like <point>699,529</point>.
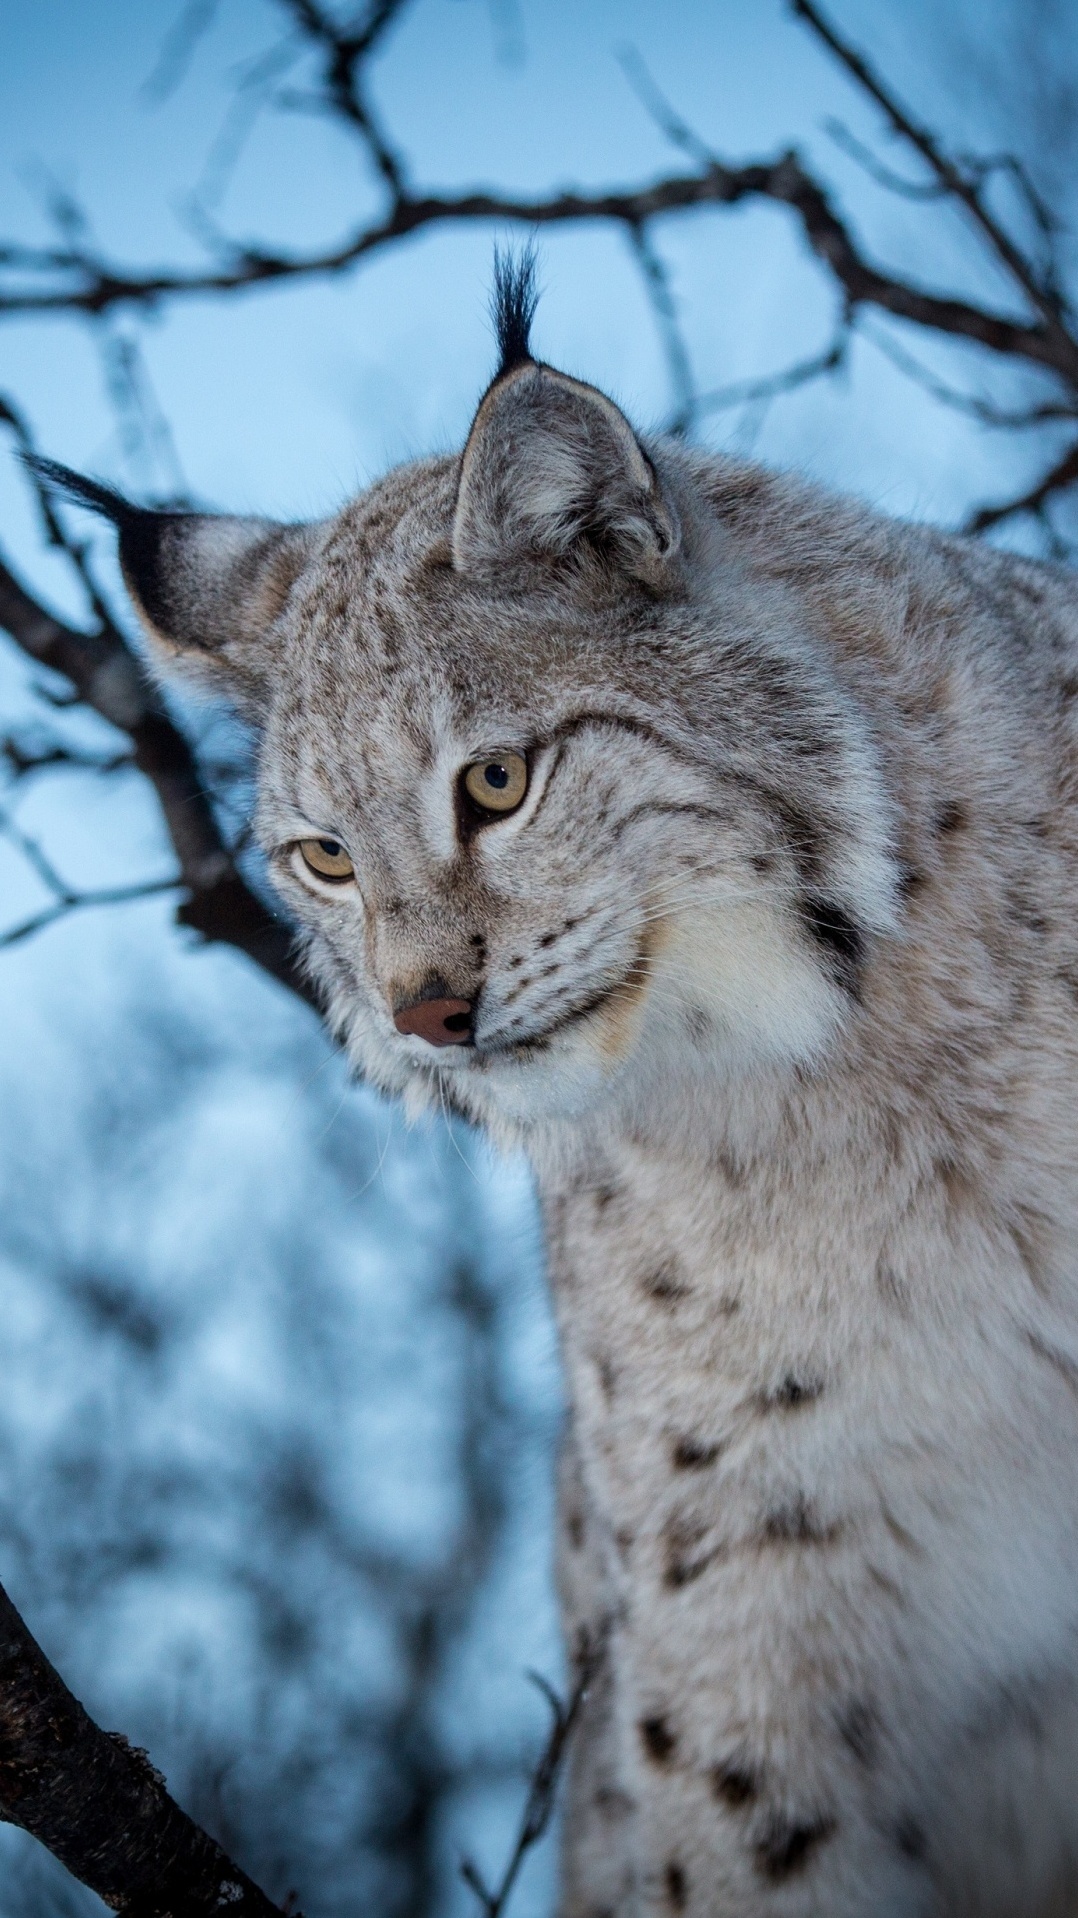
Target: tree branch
<point>97,1802</point>
<point>958,183</point>
<point>68,902</point>
<point>107,676</point>
<point>99,286</point>
<point>345,54</point>
<point>1061,475</point>
<point>539,1804</point>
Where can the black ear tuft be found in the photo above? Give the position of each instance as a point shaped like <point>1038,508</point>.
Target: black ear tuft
<point>514,298</point>
<point>143,531</point>
<point>84,492</point>
<point>209,587</point>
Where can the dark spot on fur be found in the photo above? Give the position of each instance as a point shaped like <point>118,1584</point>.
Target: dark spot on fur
<point>614,1802</point>
<point>690,1454</point>
<point>910,880</point>
<point>664,1283</point>
<point>734,1784</point>
<point>950,817</point>
<point>910,1837</point>
<point>796,1523</point>
<point>762,862</point>
<point>835,932</point>
<point>792,1393</point>
<point>517,959</point>
<point>804,840</point>
<point>786,1847</point>
<point>698,1025</point>
<point>1024,912</point>
<point>624,1539</point>
<point>574,1525</point>
<point>681,1568</point>
<point>608,1377</point>
<point>548,939</point>
<point>725,1163</point>
<point>676,1888</point>
<point>1068,687</point>
<point>659,1741</point>
<point>605,1194</point>
<point>859,1730</point>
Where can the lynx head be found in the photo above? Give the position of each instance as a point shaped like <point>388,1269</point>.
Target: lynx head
<point>569,805</point>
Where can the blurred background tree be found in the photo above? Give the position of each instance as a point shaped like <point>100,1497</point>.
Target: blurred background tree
<point>281,1392</point>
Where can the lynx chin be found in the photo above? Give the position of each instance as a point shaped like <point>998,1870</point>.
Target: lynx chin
<point>717,840</point>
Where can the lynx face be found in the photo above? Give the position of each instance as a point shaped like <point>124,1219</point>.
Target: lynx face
<point>564,803</point>
<point>618,901</point>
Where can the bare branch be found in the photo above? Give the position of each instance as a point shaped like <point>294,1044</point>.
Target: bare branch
<point>94,286</point>
<point>539,1805</point>
<point>1043,297</point>
<point>750,392</point>
<point>345,54</point>
<point>1008,419</point>
<point>97,1802</point>
<point>107,676</point>
<point>177,49</point>
<point>883,176</point>
<point>680,134</point>
<point>1059,477</point>
<point>145,434</point>
<point>74,901</point>
<point>24,761</point>
<point>660,293</point>
<point>252,94</point>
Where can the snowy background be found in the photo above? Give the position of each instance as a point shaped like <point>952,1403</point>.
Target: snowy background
<point>280,1393</point>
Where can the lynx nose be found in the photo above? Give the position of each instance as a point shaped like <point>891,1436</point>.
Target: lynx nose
<point>441,1022</point>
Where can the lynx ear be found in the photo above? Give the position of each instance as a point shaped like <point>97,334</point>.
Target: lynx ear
<point>206,587</point>
<point>551,464</point>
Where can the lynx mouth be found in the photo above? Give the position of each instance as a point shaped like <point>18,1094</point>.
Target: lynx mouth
<point>619,998</point>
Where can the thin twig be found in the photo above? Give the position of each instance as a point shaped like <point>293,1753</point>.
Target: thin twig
<point>542,1791</point>
<point>1061,475</point>
<point>74,902</point>
<point>949,172</point>
<point>177,50</point>
<point>24,761</point>
<point>657,281</point>
<point>106,675</point>
<point>751,392</point>
<point>1006,419</point>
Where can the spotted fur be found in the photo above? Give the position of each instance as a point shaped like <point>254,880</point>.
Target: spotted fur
<point>775,976</point>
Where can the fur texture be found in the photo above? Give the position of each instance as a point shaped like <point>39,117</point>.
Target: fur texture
<point>775,975</point>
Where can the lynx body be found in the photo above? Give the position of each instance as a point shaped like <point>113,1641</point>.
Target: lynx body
<point>773,970</point>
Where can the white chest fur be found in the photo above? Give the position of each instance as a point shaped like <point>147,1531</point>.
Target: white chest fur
<point>820,1511</point>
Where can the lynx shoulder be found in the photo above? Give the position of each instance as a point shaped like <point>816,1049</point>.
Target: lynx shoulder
<point>718,841</point>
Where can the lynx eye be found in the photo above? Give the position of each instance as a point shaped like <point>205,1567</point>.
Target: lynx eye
<point>497,784</point>
<point>328,859</point>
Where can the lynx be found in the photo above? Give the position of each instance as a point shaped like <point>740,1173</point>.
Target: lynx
<point>717,841</point>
